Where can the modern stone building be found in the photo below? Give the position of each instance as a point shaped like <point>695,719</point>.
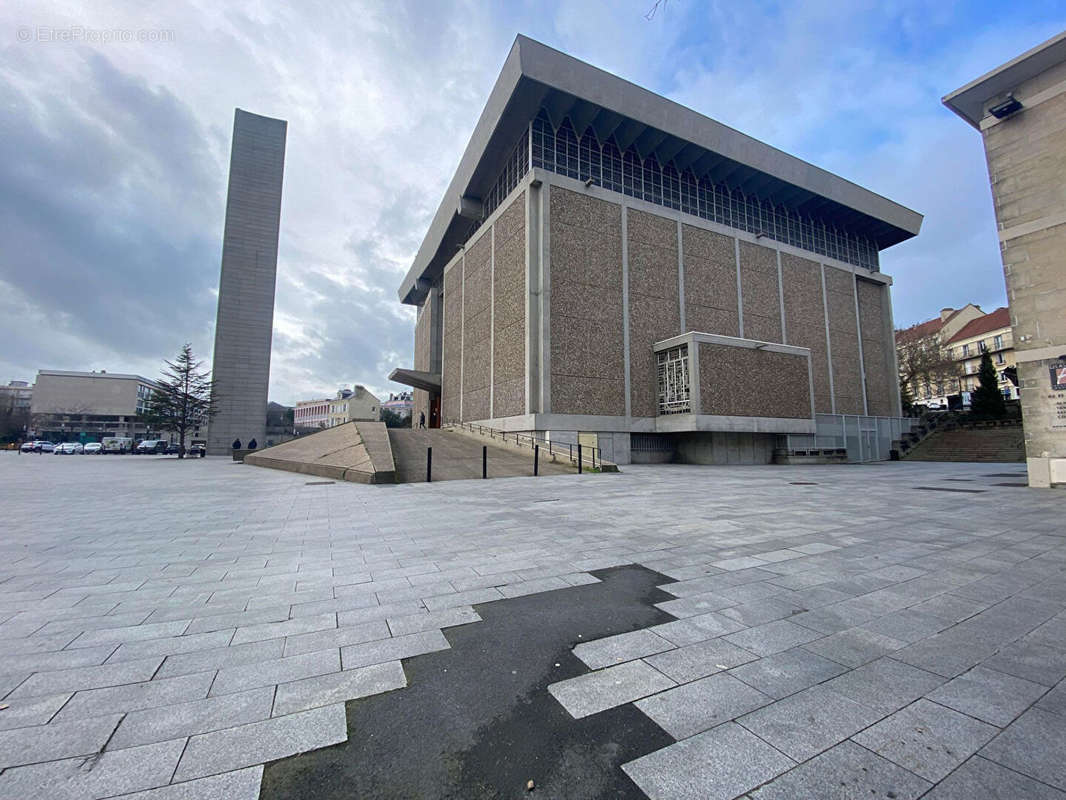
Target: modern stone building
<point>87,406</point>
<point>241,364</point>
<point>610,267</point>
<point>1020,110</point>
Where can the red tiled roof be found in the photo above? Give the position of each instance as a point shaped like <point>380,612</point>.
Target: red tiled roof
<point>995,320</point>
<point>919,331</point>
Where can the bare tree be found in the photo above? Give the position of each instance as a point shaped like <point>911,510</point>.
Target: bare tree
<point>923,362</point>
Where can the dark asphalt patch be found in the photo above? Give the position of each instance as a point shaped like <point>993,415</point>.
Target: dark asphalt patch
<point>948,489</point>
<point>476,721</point>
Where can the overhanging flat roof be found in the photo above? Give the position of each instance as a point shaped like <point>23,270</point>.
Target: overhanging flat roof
<point>969,101</point>
<point>536,76</point>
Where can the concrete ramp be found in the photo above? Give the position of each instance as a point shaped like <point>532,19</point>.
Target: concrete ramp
<point>355,451</point>
<point>458,457</point>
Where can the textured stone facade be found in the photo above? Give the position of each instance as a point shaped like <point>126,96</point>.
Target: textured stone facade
<point>509,311</point>
<point>881,380</point>
<point>805,321</point>
<point>743,382</point>
<point>654,305</point>
<point>587,349</point>
<point>710,281</point>
<point>244,328</point>
<point>760,293</point>
<point>477,328</point>
<point>452,358</point>
<point>844,341</point>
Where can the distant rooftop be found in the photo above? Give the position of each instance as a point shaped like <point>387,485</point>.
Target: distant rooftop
<point>101,374</point>
<point>992,321</point>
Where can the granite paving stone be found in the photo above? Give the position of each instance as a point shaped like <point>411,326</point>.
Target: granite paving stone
<point>928,739</point>
<point>188,719</point>
<point>416,623</point>
<point>336,637</point>
<point>290,627</point>
<point>338,687</point>
<point>1033,662</point>
<point>131,651</point>
<point>1033,745</point>
<point>804,724</point>
<point>621,647</point>
<point>773,637</point>
<point>275,671</point>
<point>719,764</point>
<point>854,647</point>
<point>221,657</point>
<point>88,677</point>
<point>988,695</point>
<point>258,742</point>
<point>697,660</point>
<point>980,778</point>
<point>845,772</point>
<point>377,652</point>
<point>19,713</point>
<point>1055,700</point>
<point>114,772</point>
<point>82,737</point>
<point>788,672</point>
<point>697,629</point>
<point>693,707</point>
<point>885,685</point>
<point>135,696</point>
<point>606,688</point>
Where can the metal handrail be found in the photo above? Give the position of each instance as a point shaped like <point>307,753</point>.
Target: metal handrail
<point>589,454</point>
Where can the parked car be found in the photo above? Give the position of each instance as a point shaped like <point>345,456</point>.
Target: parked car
<point>28,447</point>
<point>70,448</point>
<point>93,449</point>
<point>149,446</point>
<point>44,447</point>
<point>196,449</point>
<point>173,449</point>
<point>117,444</point>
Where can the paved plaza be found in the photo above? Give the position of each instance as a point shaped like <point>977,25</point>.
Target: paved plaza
<point>893,630</point>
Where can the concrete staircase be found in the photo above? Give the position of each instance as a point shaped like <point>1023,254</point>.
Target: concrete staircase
<point>971,444</point>
<point>458,457</point>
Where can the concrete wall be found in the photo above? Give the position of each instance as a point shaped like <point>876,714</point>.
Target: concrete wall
<point>725,448</point>
<point>241,364</point>
<point>477,328</point>
<point>875,325</point>
<point>742,382</point>
<point>586,312</point>
<point>420,397</point>
<point>1027,165</point>
<point>654,308</point>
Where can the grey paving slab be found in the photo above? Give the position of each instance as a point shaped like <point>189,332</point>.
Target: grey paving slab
<point>1055,700</point>
<point>1033,745</point>
<point>134,633</point>
<point>621,647</point>
<point>606,688</point>
<point>336,637</point>
<point>275,671</point>
<point>885,685</point>
<point>289,627</point>
<point>787,672</point>
<point>988,695</point>
<point>87,677</point>
<point>446,618</point>
<point>696,604</point>
<point>697,660</point>
<point>188,719</point>
<point>773,637</point>
<point>804,724</point>
<point>907,626</point>
<point>258,742</point>
<point>338,687</point>
<point>719,764</point>
<point>854,647</point>
<point>31,745</point>
<point>131,651</point>
<point>221,657</point>
<point>52,661</point>
<point>845,772</point>
<point>697,629</point>
<point>135,696</point>
<point>382,650</point>
<point>18,713</point>
<point>980,778</point>
<point>694,707</point>
<point>928,739</point>
<point>1033,662</point>
<point>949,653</point>
<point>114,772</point>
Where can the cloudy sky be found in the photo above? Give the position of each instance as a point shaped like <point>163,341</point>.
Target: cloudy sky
<point>113,155</point>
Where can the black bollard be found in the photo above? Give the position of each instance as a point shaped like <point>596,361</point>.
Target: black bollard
<point>429,464</point>
<point>579,458</point>
<point>536,459</point>
<point>484,461</point>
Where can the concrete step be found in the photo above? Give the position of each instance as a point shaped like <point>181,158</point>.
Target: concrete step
<point>978,445</point>
<point>458,457</point>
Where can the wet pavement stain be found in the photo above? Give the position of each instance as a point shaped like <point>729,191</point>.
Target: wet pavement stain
<point>477,722</point>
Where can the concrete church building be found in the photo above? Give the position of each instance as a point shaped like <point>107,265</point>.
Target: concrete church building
<point>243,332</point>
<point>610,267</point>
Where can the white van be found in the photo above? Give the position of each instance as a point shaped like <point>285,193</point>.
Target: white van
<point>116,444</point>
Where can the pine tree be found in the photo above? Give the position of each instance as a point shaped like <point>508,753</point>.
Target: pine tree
<point>181,400</point>
<point>987,399</point>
